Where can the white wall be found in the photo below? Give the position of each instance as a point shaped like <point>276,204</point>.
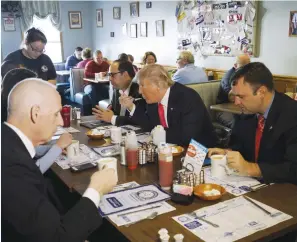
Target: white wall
<point>276,49</point>
<point>163,47</point>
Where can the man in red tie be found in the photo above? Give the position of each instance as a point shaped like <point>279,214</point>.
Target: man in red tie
<point>263,145</point>
<point>179,109</point>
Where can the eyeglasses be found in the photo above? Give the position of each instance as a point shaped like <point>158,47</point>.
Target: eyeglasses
<point>178,59</point>
<point>112,74</point>
<point>37,51</point>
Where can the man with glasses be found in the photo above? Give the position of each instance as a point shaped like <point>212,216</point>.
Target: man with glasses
<point>32,57</point>
<point>121,73</point>
<point>96,91</point>
<point>187,72</point>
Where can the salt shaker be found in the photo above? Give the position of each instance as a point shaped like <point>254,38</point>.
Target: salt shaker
<point>142,155</point>
<point>123,153</point>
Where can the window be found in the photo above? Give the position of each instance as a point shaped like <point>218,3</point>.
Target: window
<point>53,47</point>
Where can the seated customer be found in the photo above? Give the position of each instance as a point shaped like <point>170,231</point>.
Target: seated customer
<point>264,144</point>
<point>96,91</point>
<point>86,56</point>
<point>179,109</point>
<point>225,95</point>
<point>148,59</point>
<point>74,59</point>
<point>131,59</point>
<point>187,72</point>
<point>30,211</point>
<point>120,74</point>
<point>46,154</point>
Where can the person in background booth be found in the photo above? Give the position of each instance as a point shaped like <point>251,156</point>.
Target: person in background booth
<point>74,59</point>
<point>86,56</point>
<point>131,59</point>
<point>187,72</point>
<point>32,57</point>
<point>96,91</point>
<point>225,93</point>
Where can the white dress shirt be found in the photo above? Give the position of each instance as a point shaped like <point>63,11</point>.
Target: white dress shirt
<point>123,109</point>
<point>164,102</point>
<point>90,193</point>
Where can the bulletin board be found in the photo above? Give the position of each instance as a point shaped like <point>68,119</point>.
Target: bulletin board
<point>221,28</point>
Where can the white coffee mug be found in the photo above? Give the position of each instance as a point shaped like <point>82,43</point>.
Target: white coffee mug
<point>219,167</point>
<point>108,162</point>
<point>116,135</point>
<point>73,149</point>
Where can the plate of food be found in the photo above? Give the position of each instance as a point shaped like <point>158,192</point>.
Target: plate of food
<point>95,134</point>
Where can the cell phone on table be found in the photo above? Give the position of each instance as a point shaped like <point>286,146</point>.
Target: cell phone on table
<point>83,167</point>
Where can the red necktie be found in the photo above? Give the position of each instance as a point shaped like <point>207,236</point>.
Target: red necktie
<point>162,115</point>
<point>259,132</point>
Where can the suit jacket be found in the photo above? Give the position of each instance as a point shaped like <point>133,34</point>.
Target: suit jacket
<point>116,106</point>
<point>29,211</point>
<point>277,156</point>
<point>187,118</point>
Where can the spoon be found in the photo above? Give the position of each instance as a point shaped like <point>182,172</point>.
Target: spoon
<point>151,216</point>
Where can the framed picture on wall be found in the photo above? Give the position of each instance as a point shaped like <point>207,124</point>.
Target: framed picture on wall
<point>124,29</point>
<point>75,21</point>
<point>160,28</point>
<point>293,24</point>
<point>99,17</point>
<point>116,13</point>
<point>9,24</point>
<point>133,30</point>
<point>134,9</point>
<point>143,29</point>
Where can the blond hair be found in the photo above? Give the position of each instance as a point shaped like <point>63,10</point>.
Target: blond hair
<point>187,56</point>
<point>156,74</point>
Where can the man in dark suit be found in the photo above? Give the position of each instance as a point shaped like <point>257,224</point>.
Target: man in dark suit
<point>121,73</point>
<point>30,210</point>
<point>177,108</point>
<point>264,144</point>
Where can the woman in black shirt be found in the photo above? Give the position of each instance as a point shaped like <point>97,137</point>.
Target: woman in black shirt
<point>32,57</point>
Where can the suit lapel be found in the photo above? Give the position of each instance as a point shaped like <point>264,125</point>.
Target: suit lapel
<point>269,131</point>
<point>172,104</point>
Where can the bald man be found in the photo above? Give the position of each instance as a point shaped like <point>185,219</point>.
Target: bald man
<point>224,95</point>
<point>30,211</point>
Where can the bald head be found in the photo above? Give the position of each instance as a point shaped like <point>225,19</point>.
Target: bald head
<point>34,107</point>
<point>31,92</point>
<point>242,60</point>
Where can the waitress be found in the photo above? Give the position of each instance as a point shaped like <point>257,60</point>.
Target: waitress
<point>32,57</point>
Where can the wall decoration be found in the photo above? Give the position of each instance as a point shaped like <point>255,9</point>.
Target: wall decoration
<point>12,7</point>
<point>160,28</point>
<point>148,4</point>
<point>133,30</point>
<point>75,21</point>
<point>111,34</point>
<point>9,24</point>
<point>124,28</point>
<point>217,28</point>
<point>99,17</point>
<point>134,9</point>
<point>293,24</point>
<point>143,29</point>
<point>116,13</point>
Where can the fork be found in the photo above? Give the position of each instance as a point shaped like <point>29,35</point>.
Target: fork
<point>194,215</point>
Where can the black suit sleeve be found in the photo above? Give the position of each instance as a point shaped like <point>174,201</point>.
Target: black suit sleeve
<point>30,213</point>
<point>193,118</point>
<point>141,116</point>
<point>285,171</point>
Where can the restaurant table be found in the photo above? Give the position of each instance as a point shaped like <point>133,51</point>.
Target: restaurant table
<point>104,80</point>
<point>226,107</point>
<point>279,196</point>
<point>63,73</point>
